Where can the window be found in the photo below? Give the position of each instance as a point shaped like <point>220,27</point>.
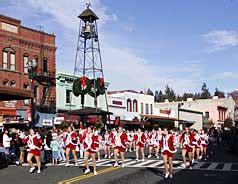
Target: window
<point>68,95</point>
<point>44,90</point>
<point>45,65</point>
<point>151,109</point>
<point>207,114</point>
<point>35,61</point>
<point>135,109</point>
<point>129,107</point>
<point>35,91</point>
<point>146,108</point>
<point>13,83</point>
<point>142,108</point>
<point>13,62</point>
<point>26,62</point>
<point>9,59</point>
<point>26,87</point>
<point>5,60</point>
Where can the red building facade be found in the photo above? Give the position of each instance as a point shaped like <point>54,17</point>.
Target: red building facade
<point>20,45</point>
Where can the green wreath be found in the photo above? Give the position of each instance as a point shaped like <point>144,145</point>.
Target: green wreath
<point>100,87</point>
<point>78,88</point>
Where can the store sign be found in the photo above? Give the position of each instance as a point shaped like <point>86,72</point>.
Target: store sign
<point>115,102</point>
<point>10,104</point>
<point>47,122</point>
<point>165,111</point>
<point>58,120</point>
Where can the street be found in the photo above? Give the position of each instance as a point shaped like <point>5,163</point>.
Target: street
<point>222,167</point>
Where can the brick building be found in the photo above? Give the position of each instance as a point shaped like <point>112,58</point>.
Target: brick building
<point>19,46</point>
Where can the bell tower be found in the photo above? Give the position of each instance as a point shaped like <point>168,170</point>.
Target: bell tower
<point>88,62</point>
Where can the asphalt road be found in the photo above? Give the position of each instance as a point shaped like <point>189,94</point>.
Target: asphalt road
<point>222,167</point>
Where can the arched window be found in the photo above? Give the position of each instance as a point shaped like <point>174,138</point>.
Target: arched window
<point>129,105</point>
<point>25,62</point>
<point>9,59</point>
<point>135,106</point>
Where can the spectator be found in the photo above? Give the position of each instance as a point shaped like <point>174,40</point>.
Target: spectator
<point>6,140</point>
<point>55,146</point>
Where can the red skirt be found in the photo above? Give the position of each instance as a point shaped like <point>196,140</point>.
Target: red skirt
<point>91,151</point>
<point>204,145</point>
<point>187,148</point>
<point>71,146</point>
<point>35,152</point>
<point>120,148</point>
<point>169,154</point>
<point>141,145</point>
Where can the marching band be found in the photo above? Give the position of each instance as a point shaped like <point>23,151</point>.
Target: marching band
<point>117,141</point>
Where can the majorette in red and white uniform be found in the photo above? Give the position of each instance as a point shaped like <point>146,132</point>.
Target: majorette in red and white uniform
<point>140,139</point>
<point>153,139</point>
<point>119,141</point>
<point>197,141</point>
<point>204,140</point>
<point>187,141</point>
<point>97,139</point>
<point>167,145</point>
<point>71,140</point>
<point>34,143</point>
<point>107,139</point>
<point>90,142</point>
<point>130,136</point>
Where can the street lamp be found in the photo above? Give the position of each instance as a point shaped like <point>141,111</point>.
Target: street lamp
<point>31,74</point>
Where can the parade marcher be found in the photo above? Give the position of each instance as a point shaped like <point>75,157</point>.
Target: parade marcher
<point>97,137</point>
<point>119,143</point>
<point>107,144</point>
<point>204,143</point>
<point>168,150</point>
<point>71,140</point>
<point>197,144</point>
<point>130,136</point>
<point>34,143</point>
<point>140,144</point>
<point>186,141</point>
<point>91,142</point>
<point>153,144</point>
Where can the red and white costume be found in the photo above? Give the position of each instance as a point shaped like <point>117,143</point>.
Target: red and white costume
<point>107,140</point>
<point>197,141</point>
<point>167,145</point>
<point>204,140</point>
<point>34,144</point>
<point>119,141</point>
<point>71,140</point>
<point>130,136</point>
<point>90,142</point>
<point>140,139</point>
<point>153,140</point>
<point>187,142</point>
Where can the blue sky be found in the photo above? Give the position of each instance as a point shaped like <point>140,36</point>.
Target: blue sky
<point>152,43</point>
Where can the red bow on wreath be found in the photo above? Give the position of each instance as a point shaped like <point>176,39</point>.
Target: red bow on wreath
<point>101,81</point>
<point>83,81</point>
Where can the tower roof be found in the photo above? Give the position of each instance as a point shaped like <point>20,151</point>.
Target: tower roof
<point>88,15</point>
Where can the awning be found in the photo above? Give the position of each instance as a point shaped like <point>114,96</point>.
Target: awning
<point>13,93</point>
<point>156,117</point>
<point>89,111</point>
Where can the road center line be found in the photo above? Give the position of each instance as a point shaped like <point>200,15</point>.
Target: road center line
<point>78,178</point>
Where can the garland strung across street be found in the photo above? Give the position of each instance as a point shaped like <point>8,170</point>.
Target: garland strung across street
<point>84,85</point>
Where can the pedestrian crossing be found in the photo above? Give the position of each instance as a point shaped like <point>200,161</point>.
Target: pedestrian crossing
<point>150,163</point>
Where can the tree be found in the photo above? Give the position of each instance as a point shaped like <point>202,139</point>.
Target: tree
<point>169,93</point>
<point>205,92</point>
<point>187,95</point>
<point>150,92</point>
<point>219,93</point>
<point>228,123</point>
